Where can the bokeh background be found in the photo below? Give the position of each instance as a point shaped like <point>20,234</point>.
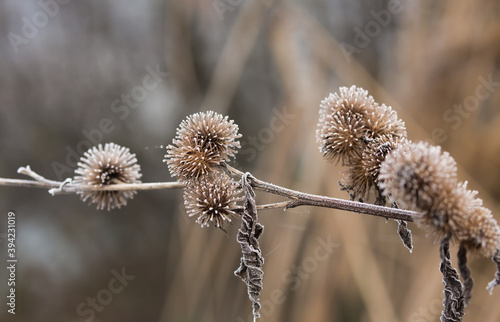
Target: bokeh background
<point>74,70</point>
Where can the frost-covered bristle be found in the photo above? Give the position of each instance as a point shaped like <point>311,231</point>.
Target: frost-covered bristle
<point>415,175</point>
<point>363,174</point>
<point>349,120</point>
<point>204,141</point>
<point>421,177</point>
<point>341,137</point>
<point>102,166</point>
<point>190,162</point>
<point>383,121</point>
<point>341,127</point>
<point>211,131</point>
<point>212,201</point>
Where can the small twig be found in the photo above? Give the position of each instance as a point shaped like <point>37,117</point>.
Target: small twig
<point>30,173</point>
<point>304,199</point>
<point>277,205</point>
<point>26,183</point>
<point>65,187</point>
<point>297,198</point>
<point>71,188</point>
<point>54,191</point>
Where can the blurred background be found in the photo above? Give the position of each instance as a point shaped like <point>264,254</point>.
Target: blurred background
<point>76,73</point>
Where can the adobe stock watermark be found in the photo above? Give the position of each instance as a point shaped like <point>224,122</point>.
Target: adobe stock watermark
<point>32,25</point>
<point>122,107</point>
<point>456,114</point>
<point>223,6</point>
<point>252,145</point>
<point>104,297</point>
<point>428,314</point>
<point>294,277</point>
<point>372,29</point>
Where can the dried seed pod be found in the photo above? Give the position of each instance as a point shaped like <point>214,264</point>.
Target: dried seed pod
<point>415,174</point>
<point>210,131</point>
<point>354,99</point>
<point>190,161</point>
<point>341,126</point>
<point>350,120</point>
<point>212,200</point>
<point>342,137</point>
<point>423,178</point>
<point>383,121</point>
<point>363,174</point>
<point>480,232</point>
<point>101,166</point>
<point>203,142</point>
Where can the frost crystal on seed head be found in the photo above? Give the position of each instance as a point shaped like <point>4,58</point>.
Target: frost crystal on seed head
<point>204,141</point>
<point>190,161</point>
<point>211,131</point>
<point>351,119</point>
<point>353,99</point>
<point>213,201</point>
<point>383,121</point>
<point>414,175</point>
<point>363,174</point>
<point>421,177</point>
<point>102,166</point>
<point>341,126</point>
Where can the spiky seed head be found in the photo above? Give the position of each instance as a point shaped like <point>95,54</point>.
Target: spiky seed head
<point>421,177</point>
<point>383,121</point>
<point>191,161</point>
<point>101,166</point>
<point>351,119</point>
<point>341,126</point>
<point>414,175</point>
<point>213,201</point>
<point>363,174</point>
<point>353,99</point>
<point>446,215</point>
<point>341,137</point>
<point>211,131</point>
<point>483,233</point>
<point>467,220</point>
<point>204,141</point>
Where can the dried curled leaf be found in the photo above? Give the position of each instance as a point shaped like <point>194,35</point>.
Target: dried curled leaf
<point>465,273</point>
<point>496,281</point>
<point>453,303</point>
<point>405,234</point>
<point>250,270</point>
<point>403,231</point>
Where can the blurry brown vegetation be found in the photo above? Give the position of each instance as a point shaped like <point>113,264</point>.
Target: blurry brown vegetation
<point>264,58</point>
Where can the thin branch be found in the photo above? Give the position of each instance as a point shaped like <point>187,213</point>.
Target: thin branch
<point>305,199</point>
<point>277,205</point>
<point>71,188</point>
<point>26,183</point>
<point>297,198</point>
<point>65,187</point>
<point>30,173</point>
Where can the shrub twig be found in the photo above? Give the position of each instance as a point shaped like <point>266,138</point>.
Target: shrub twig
<point>305,199</point>
<point>297,198</point>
